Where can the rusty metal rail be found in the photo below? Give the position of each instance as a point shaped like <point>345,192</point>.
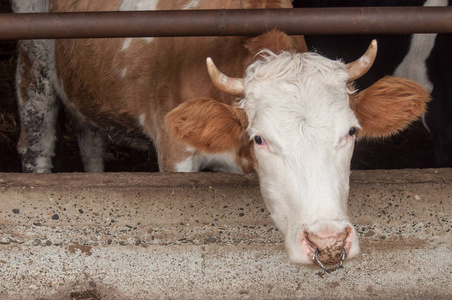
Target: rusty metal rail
<point>375,20</point>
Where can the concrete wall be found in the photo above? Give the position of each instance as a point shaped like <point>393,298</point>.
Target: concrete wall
<point>208,236</point>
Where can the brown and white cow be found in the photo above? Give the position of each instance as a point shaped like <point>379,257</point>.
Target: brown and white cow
<point>291,116</point>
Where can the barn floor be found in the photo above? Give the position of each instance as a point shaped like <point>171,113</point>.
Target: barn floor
<point>209,236</point>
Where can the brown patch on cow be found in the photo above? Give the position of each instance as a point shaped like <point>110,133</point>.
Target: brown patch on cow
<point>245,152</point>
<point>68,6</point>
<point>110,87</point>
<point>388,106</point>
<point>245,156</point>
<point>207,125</point>
<point>275,41</point>
<point>212,127</point>
<point>299,43</point>
<point>84,249</point>
<point>269,4</point>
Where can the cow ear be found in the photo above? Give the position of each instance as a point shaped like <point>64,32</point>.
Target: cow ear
<point>207,125</point>
<point>388,106</point>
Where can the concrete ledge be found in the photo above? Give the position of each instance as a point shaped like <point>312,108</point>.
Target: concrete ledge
<point>208,236</point>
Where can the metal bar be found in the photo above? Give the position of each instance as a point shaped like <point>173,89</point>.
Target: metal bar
<point>375,20</point>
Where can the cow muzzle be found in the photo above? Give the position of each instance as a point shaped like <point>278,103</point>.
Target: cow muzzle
<point>329,248</point>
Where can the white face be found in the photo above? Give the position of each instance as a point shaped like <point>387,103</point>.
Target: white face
<point>300,121</point>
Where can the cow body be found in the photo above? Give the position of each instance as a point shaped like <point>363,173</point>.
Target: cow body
<point>121,109</point>
<point>420,57</point>
<point>291,116</point>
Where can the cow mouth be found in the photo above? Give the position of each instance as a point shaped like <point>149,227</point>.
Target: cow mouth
<point>330,267</point>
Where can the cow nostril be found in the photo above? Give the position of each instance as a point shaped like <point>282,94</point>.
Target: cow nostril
<point>323,241</point>
<point>328,247</point>
<point>310,244</point>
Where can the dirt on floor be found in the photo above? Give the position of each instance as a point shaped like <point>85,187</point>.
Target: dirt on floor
<point>411,149</point>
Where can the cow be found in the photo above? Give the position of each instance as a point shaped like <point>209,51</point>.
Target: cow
<point>290,115</point>
<point>420,57</point>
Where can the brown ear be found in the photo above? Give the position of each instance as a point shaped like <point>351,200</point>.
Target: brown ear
<point>207,125</point>
<point>274,40</point>
<point>388,106</point>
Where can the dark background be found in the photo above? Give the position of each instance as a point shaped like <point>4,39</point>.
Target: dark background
<point>411,149</point>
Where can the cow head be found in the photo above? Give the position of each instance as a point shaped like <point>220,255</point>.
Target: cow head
<point>297,118</point>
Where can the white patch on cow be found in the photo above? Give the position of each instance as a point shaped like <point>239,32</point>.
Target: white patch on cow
<point>186,165</point>
<point>126,44</point>
<point>134,5</point>
<point>190,149</point>
<point>298,103</point>
<point>38,111</point>
<point>147,39</point>
<point>27,6</point>
<point>191,5</point>
<point>223,162</point>
<point>142,120</point>
<point>413,66</point>
<point>128,5</point>
<point>42,164</point>
<point>123,73</point>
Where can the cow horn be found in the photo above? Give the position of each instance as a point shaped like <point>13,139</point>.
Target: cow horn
<point>360,66</point>
<point>230,85</point>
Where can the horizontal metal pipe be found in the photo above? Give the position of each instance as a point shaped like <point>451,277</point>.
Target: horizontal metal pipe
<point>375,20</point>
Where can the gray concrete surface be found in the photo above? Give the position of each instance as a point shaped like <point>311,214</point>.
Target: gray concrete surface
<point>208,236</point>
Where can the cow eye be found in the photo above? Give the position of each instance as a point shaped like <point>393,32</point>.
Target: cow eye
<point>352,131</point>
<point>258,140</point>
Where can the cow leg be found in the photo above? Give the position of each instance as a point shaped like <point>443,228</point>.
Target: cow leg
<point>38,105</point>
<point>172,156</point>
<point>191,163</point>
<point>92,147</point>
<point>176,158</point>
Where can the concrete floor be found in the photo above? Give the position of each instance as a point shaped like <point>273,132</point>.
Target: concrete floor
<point>209,236</point>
